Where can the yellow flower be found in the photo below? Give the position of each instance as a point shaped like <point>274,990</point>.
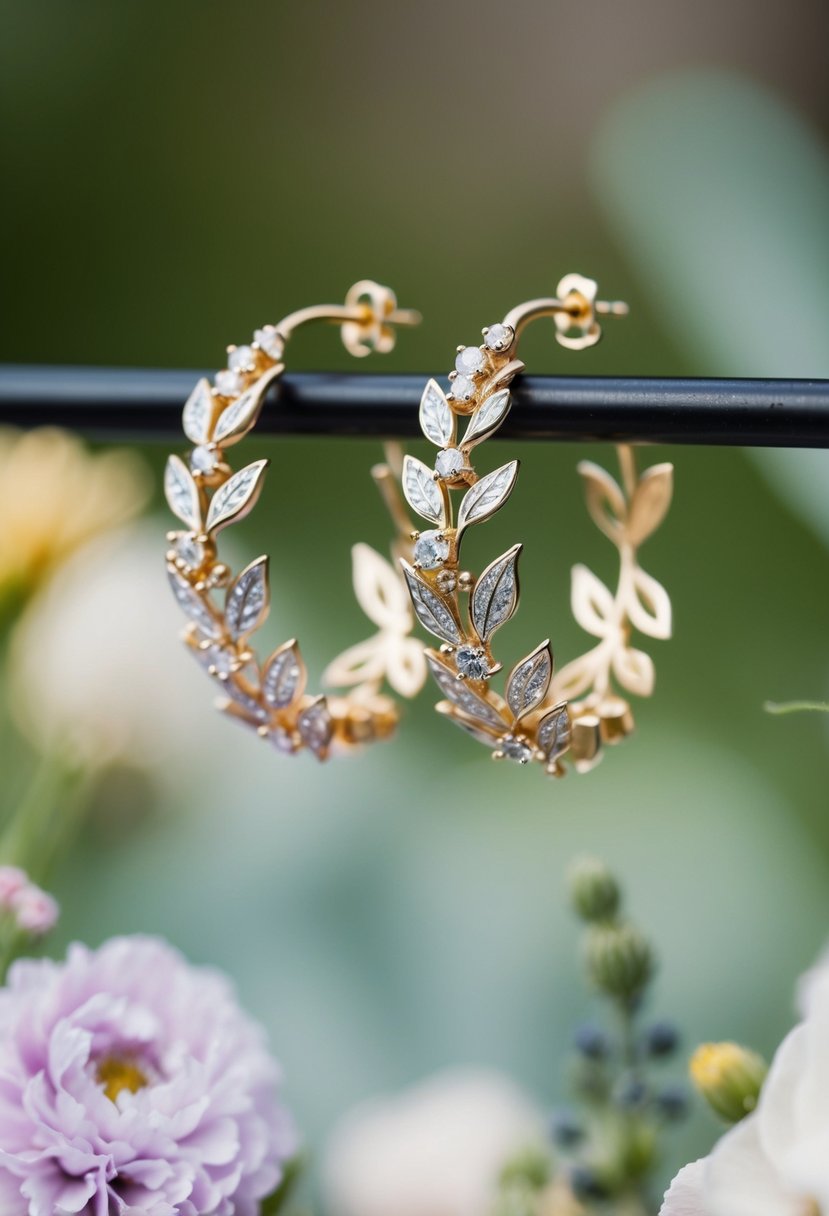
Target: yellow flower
<point>54,496</point>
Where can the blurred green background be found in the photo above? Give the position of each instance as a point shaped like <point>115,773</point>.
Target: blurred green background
<point>176,174</point>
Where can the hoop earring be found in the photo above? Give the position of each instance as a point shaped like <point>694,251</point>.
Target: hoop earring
<point>536,719</point>
<point>208,496</point>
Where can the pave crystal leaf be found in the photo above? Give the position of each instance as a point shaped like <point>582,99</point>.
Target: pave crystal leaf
<point>496,594</point>
<point>492,412</point>
<point>192,603</point>
<point>248,600</point>
<point>529,680</point>
<point>236,497</point>
<point>464,697</point>
<point>284,676</point>
<point>239,691</point>
<point>487,495</point>
<point>198,413</point>
<point>237,418</point>
<point>422,491</point>
<point>182,493</point>
<point>473,728</point>
<point>433,612</point>
<point>316,728</point>
<point>553,733</point>
<point>436,418</point>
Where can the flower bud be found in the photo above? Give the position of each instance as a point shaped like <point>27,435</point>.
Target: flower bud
<point>619,961</point>
<point>593,890</point>
<point>730,1077</point>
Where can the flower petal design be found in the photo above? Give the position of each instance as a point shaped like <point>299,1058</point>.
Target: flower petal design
<point>464,697</point>
<point>434,613</point>
<point>487,418</point>
<point>487,495</point>
<point>592,603</point>
<point>182,493</point>
<point>422,492</point>
<point>198,413</point>
<point>248,599</point>
<point>495,596</point>
<point>437,421</point>
<point>237,418</point>
<point>236,497</point>
<point>284,676</point>
<point>529,680</point>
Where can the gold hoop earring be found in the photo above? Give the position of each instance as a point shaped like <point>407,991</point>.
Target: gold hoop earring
<point>536,719</point>
<point>207,496</point>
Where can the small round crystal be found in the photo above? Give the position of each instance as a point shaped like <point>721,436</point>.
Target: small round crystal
<point>241,359</point>
<point>269,340</point>
<point>221,661</point>
<point>516,749</point>
<point>189,551</point>
<point>462,388</point>
<point>449,463</point>
<point>228,383</point>
<point>282,739</point>
<point>471,662</point>
<point>431,550</point>
<point>202,459</point>
<point>469,360</point>
<point>498,337</point>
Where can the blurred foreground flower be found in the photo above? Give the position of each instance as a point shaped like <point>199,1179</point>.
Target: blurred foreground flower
<point>134,1083</point>
<point>774,1161</point>
<point>28,909</point>
<point>435,1150</point>
<point>55,496</point>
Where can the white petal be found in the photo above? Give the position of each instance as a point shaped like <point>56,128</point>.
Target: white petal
<point>684,1197</point>
<point>741,1181</point>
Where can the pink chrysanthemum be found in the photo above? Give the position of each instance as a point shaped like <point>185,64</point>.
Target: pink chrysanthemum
<point>131,1082</point>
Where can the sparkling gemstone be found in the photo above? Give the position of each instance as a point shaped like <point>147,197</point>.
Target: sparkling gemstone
<point>241,359</point>
<point>469,360</point>
<point>430,551</point>
<point>449,463</point>
<point>189,551</point>
<point>471,662</point>
<point>202,459</point>
<point>268,340</point>
<point>228,383</point>
<point>516,749</point>
<point>282,740</point>
<point>498,337</point>
<point>462,388</point>
<point>221,660</point>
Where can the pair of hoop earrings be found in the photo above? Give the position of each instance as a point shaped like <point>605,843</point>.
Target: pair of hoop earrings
<point>542,716</point>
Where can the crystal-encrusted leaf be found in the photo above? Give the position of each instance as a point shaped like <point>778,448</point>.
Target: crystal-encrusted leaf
<point>237,418</point>
<point>182,493</point>
<point>529,680</point>
<point>473,728</point>
<point>248,599</point>
<point>284,676</point>
<point>422,491</point>
<point>243,695</point>
<point>437,421</point>
<point>553,733</point>
<point>198,413</point>
<point>433,612</point>
<point>192,603</point>
<point>460,694</point>
<point>496,594</point>
<point>487,495</point>
<point>316,728</point>
<point>491,413</point>
<point>236,497</point>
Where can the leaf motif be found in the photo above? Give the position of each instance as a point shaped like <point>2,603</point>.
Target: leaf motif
<point>634,671</point>
<point>433,612</point>
<point>649,606</point>
<point>576,676</point>
<point>192,603</point>
<point>487,418</point>
<point>487,495</point>
<point>182,493</point>
<point>236,497</point>
<point>248,599</point>
<point>529,680</point>
<point>239,691</point>
<point>437,421</point>
<point>405,665</point>
<point>237,418</point>
<point>379,590</point>
<point>592,603</point>
<point>362,663</point>
<point>553,733</point>
<point>284,676</point>
<point>316,728</point>
<point>475,729</point>
<point>650,502</point>
<point>496,594</point>
<point>605,500</point>
<point>198,413</point>
<point>422,491</point>
<point>464,697</point>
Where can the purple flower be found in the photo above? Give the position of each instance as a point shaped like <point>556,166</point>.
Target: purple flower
<point>131,1082</point>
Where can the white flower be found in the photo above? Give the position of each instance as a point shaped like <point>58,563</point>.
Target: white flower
<point>775,1162</point>
<point>434,1150</point>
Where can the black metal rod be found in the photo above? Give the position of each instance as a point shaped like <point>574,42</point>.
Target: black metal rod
<point>124,404</point>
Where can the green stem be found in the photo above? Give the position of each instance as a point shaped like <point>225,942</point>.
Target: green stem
<point>795,707</point>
